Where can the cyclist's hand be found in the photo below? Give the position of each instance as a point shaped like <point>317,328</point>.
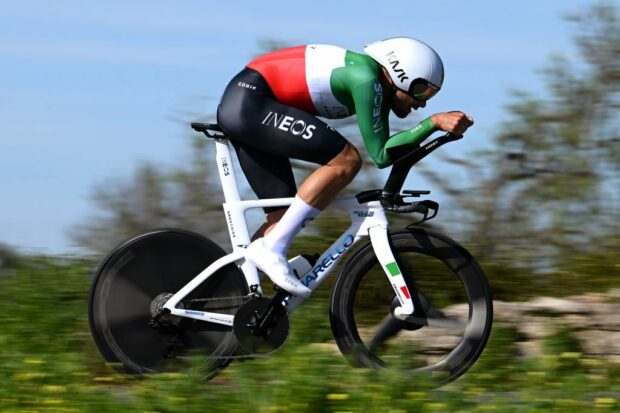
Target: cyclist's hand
<point>455,122</point>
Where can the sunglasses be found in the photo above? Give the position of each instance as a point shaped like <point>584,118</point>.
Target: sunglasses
<point>421,89</point>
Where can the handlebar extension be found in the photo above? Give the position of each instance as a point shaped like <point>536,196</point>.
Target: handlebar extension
<point>402,166</point>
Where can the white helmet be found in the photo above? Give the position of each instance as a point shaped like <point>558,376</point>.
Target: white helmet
<point>414,66</point>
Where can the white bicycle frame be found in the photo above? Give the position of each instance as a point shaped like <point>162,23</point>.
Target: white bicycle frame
<point>366,220</point>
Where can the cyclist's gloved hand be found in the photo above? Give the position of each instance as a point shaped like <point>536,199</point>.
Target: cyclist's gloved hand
<point>455,122</point>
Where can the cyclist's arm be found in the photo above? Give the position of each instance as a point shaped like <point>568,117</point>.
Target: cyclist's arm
<point>374,127</point>
<point>413,136</point>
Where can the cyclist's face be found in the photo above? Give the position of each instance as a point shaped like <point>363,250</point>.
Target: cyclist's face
<point>402,103</point>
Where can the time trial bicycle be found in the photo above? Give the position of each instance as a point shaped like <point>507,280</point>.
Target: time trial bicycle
<point>410,297</point>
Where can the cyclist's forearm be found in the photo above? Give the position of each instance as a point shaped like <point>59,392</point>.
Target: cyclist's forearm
<point>413,136</point>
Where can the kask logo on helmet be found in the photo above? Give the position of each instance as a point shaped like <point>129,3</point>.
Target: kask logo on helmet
<point>393,60</point>
<point>289,124</point>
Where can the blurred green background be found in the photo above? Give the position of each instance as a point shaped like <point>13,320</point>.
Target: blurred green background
<point>537,204</point>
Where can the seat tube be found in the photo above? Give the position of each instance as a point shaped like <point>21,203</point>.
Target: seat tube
<point>234,213</point>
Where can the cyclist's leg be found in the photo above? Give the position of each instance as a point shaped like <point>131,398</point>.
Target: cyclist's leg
<point>269,176</point>
<point>322,186</point>
<point>252,117</point>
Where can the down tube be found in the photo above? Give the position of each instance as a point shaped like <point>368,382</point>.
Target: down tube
<point>326,264</point>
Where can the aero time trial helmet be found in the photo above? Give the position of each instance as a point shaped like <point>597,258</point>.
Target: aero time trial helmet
<point>414,66</point>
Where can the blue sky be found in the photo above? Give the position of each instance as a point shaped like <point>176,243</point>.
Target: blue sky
<point>88,90</point>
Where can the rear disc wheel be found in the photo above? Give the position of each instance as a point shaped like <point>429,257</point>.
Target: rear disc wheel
<point>136,279</point>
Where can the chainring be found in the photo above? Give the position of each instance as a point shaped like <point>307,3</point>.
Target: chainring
<point>273,338</point>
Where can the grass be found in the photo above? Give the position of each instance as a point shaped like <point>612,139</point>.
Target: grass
<point>48,363</point>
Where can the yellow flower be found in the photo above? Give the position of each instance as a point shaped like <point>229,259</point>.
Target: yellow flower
<point>104,379</point>
<point>29,375</point>
<point>33,361</point>
<point>436,406</point>
<point>604,401</point>
<point>53,401</point>
<point>337,396</point>
<point>54,389</point>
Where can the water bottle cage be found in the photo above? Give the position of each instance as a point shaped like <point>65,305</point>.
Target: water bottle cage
<point>397,204</point>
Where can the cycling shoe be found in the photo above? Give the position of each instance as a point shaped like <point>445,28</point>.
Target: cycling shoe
<point>276,267</point>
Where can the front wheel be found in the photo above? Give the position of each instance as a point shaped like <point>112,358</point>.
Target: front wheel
<point>134,282</point>
<point>453,307</point>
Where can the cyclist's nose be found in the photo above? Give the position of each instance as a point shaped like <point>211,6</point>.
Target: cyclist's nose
<point>417,104</point>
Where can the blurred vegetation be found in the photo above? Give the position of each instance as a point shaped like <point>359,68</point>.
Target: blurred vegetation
<point>541,214</point>
<point>548,189</point>
<point>8,259</point>
<point>49,363</point>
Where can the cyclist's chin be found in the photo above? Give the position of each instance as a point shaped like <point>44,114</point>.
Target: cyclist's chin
<point>402,113</point>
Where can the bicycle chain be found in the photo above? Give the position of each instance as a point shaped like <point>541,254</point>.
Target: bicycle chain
<point>200,300</point>
<point>244,298</point>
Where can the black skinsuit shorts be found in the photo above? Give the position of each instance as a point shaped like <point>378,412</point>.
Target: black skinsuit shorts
<point>266,133</point>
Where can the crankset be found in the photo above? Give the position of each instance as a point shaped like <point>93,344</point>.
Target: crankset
<point>253,334</point>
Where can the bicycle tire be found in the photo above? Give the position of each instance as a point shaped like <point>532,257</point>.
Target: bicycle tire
<point>438,272</point>
<point>144,267</point>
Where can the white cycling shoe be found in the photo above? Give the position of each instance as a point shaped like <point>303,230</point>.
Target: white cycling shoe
<point>276,267</point>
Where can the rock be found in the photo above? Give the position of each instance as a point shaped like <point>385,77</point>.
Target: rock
<point>576,321</point>
<point>557,305</point>
<point>532,348</point>
<point>535,327</point>
<point>598,342</point>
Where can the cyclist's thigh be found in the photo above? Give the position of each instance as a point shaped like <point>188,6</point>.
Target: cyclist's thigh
<point>270,176</point>
<point>250,114</point>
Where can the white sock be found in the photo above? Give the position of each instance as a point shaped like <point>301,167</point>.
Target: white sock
<point>293,220</point>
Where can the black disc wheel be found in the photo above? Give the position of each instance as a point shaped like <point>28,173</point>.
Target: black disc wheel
<point>453,307</point>
<point>134,282</point>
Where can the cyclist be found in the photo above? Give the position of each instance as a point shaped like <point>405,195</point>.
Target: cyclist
<point>269,111</point>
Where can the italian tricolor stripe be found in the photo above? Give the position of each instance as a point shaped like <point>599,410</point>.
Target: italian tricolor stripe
<point>393,269</point>
<point>405,291</point>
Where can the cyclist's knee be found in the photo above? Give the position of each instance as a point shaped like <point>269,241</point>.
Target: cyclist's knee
<point>348,162</point>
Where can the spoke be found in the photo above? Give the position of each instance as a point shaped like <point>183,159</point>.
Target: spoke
<point>448,323</point>
<point>436,318</point>
<point>387,328</point>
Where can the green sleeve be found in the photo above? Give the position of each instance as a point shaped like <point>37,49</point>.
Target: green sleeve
<point>372,119</point>
<point>413,136</point>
